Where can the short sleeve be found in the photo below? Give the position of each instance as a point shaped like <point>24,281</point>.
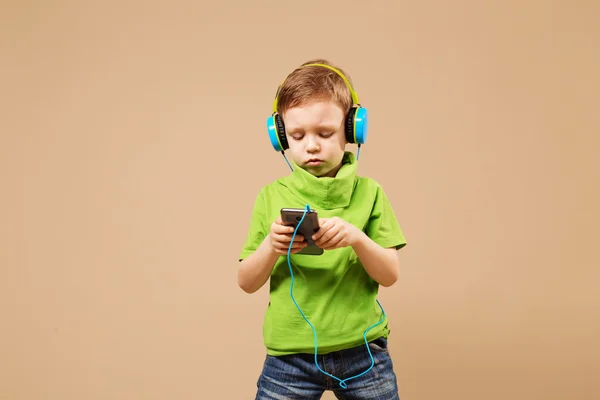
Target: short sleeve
<point>257,230</point>
<point>383,227</point>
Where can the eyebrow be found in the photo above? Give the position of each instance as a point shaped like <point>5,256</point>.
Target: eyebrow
<point>323,126</point>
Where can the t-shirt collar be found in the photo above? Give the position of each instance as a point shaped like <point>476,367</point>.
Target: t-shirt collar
<point>325,192</point>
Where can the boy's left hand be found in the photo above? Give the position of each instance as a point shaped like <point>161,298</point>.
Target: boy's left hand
<point>335,233</point>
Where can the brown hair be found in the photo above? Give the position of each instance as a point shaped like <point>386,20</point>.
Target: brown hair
<point>306,84</point>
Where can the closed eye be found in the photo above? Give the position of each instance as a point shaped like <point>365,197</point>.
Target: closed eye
<point>299,136</point>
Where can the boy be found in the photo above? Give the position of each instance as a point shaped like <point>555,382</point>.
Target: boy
<point>323,328</point>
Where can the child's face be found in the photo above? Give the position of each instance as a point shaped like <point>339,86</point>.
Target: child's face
<point>315,134</point>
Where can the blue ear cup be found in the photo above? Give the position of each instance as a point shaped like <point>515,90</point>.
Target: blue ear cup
<point>357,125</point>
<point>276,132</point>
<point>273,133</point>
<point>361,125</point>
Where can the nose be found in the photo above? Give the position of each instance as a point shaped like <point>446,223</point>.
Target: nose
<point>312,144</point>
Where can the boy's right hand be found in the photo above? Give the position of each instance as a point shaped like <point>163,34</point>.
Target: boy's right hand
<point>280,238</point>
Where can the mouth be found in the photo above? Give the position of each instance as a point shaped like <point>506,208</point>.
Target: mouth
<point>314,162</point>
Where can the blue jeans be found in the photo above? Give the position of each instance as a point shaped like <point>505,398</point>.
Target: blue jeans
<point>297,377</point>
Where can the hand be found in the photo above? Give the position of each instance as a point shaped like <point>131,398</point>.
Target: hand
<point>335,233</point>
<point>280,238</point>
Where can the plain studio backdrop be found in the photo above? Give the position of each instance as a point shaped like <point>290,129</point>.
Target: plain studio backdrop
<point>133,143</point>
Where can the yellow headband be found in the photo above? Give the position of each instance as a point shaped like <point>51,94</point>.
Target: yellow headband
<point>352,92</point>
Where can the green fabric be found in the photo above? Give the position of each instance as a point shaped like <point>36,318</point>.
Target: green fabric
<point>333,290</point>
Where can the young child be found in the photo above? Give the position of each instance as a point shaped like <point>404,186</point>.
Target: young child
<point>324,328</point>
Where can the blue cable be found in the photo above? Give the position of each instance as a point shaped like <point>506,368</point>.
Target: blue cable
<point>287,161</point>
<point>342,382</point>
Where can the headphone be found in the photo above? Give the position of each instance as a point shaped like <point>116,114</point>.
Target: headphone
<point>356,121</point>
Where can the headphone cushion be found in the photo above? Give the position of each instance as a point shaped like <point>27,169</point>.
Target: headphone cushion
<point>349,129</point>
<point>281,132</point>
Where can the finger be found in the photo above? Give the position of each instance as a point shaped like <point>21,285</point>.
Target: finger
<point>298,246</point>
<point>285,247</point>
<point>285,252</point>
<point>283,229</point>
<point>333,242</point>
<point>322,231</point>
<point>294,251</point>
<point>322,221</point>
<point>297,237</point>
<point>326,235</point>
<point>287,238</point>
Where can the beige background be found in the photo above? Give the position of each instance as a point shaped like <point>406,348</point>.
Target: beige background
<point>133,143</point>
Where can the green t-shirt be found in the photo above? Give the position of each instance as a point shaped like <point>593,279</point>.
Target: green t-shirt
<point>333,290</point>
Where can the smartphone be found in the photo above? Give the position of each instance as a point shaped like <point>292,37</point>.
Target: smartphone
<point>310,225</point>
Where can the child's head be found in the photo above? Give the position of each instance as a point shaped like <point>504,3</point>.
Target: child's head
<point>313,103</point>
